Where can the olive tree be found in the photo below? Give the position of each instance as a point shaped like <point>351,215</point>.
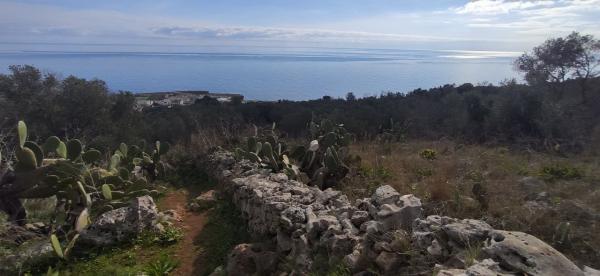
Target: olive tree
<point>575,56</point>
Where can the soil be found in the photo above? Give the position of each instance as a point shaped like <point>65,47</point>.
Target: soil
<point>191,223</point>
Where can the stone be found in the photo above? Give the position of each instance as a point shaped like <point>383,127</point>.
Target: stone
<point>294,214</point>
<point>250,259</point>
<point>302,220</point>
<point>30,227</point>
<point>487,267</point>
<point>204,201</point>
<point>15,235</point>
<point>36,251</point>
<point>435,249</point>
<point>387,261</point>
<point>385,195</point>
<point>588,271</point>
<point>219,271</point>
<point>284,242</point>
<point>39,225</point>
<point>120,225</point>
<point>359,217</point>
<point>451,272</point>
<point>395,217</point>
<point>526,254</point>
<point>467,231</point>
<point>317,224</point>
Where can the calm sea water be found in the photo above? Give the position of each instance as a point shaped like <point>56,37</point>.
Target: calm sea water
<point>296,75</point>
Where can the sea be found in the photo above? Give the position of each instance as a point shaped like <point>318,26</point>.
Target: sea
<point>290,74</point>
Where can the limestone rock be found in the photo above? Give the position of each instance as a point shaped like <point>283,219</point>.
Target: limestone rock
<point>467,231</point>
<point>120,225</point>
<point>359,217</point>
<point>523,253</point>
<point>204,201</point>
<point>33,252</point>
<point>588,271</point>
<point>400,217</point>
<point>251,259</point>
<point>385,195</point>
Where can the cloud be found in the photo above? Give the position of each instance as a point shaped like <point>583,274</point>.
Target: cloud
<point>493,7</point>
<point>533,18</point>
<point>516,24</point>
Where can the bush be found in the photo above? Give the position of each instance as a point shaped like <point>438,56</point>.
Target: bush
<point>560,172</point>
<point>428,154</point>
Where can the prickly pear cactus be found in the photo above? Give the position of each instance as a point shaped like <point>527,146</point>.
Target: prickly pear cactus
<point>80,180</point>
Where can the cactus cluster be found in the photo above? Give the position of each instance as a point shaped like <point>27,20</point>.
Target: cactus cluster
<point>133,158</point>
<point>322,159</point>
<point>266,149</point>
<point>394,132</point>
<point>320,163</point>
<point>81,181</point>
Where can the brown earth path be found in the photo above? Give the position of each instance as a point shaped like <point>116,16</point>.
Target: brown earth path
<point>191,223</point>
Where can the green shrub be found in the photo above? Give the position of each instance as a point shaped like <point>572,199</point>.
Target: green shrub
<point>163,266</point>
<point>428,154</point>
<point>560,172</point>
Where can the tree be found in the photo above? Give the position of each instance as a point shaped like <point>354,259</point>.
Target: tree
<point>350,97</point>
<point>559,59</point>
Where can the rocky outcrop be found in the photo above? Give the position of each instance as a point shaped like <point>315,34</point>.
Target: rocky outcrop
<point>31,252</point>
<point>204,201</point>
<point>120,225</point>
<point>386,231</point>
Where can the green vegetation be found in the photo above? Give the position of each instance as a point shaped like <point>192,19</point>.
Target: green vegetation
<point>72,174</point>
<point>428,154</point>
<point>161,267</point>
<point>463,149</point>
<point>224,230</point>
<point>560,171</point>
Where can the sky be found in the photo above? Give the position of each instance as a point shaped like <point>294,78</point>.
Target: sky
<point>186,25</point>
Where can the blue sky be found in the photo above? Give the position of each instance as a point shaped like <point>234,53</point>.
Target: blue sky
<point>185,25</point>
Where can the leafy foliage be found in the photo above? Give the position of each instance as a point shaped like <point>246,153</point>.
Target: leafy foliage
<point>560,172</point>
<point>75,176</point>
<point>163,266</point>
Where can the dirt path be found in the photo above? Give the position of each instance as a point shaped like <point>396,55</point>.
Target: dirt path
<point>191,223</point>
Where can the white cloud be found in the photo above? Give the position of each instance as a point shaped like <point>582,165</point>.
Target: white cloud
<point>533,19</point>
<point>492,7</point>
<point>517,25</point>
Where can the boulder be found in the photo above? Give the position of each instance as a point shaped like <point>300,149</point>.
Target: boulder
<point>588,271</point>
<point>523,253</point>
<point>385,195</point>
<point>204,201</point>
<point>15,235</point>
<point>395,217</point>
<point>467,231</point>
<point>487,267</point>
<point>120,225</point>
<point>359,217</point>
<point>251,259</point>
<point>33,252</point>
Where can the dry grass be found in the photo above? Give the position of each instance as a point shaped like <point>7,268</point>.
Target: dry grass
<point>445,185</point>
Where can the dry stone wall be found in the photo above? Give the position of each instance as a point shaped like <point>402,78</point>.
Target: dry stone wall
<point>386,232</point>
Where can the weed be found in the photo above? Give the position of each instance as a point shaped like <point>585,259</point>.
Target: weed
<point>472,253</point>
<point>423,172</point>
<point>163,266</point>
<point>560,172</point>
<point>225,229</point>
<point>428,154</point>
<point>170,235</point>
